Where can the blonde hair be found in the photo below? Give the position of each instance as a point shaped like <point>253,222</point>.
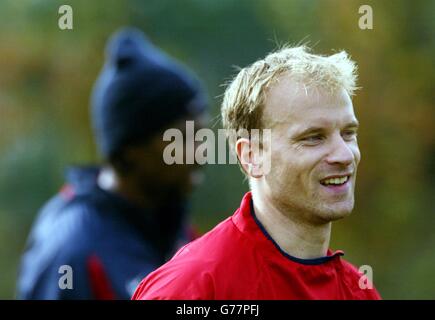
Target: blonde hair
<point>243,100</point>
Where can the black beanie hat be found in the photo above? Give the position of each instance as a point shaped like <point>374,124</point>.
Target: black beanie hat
<point>139,92</point>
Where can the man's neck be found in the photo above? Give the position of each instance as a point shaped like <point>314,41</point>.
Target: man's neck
<point>293,234</point>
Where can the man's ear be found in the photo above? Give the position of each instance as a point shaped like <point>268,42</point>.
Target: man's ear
<point>249,159</point>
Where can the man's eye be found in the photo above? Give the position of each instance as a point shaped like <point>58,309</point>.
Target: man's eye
<point>313,139</point>
<point>349,134</point>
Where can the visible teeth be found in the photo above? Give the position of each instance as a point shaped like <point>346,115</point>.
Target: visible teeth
<point>335,180</point>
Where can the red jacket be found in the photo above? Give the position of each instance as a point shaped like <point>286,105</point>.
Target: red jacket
<point>238,260</point>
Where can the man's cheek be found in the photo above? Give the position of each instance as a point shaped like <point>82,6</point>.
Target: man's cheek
<point>276,163</point>
<point>356,154</point>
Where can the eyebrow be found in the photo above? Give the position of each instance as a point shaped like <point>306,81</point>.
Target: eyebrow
<point>352,124</point>
<point>316,129</point>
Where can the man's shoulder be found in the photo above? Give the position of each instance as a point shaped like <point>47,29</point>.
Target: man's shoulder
<point>69,214</point>
<point>70,228</point>
<point>194,270</point>
<point>179,279</point>
<point>350,271</point>
<point>360,281</point>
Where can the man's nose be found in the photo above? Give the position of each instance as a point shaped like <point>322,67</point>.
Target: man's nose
<point>340,152</point>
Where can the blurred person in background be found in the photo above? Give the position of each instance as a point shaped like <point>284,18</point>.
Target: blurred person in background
<point>113,224</point>
<point>276,244</point>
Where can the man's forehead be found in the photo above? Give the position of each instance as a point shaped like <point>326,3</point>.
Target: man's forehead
<point>320,124</point>
<point>289,101</point>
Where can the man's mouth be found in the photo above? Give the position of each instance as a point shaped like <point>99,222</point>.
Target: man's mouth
<point>335,181</point>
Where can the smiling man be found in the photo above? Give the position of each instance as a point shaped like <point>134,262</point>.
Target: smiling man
<point>276,245</point>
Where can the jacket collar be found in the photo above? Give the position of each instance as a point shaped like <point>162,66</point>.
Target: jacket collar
<point>246,221</point>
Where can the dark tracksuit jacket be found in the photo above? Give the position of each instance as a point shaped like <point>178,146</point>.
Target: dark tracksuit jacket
<point>87,243</point>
